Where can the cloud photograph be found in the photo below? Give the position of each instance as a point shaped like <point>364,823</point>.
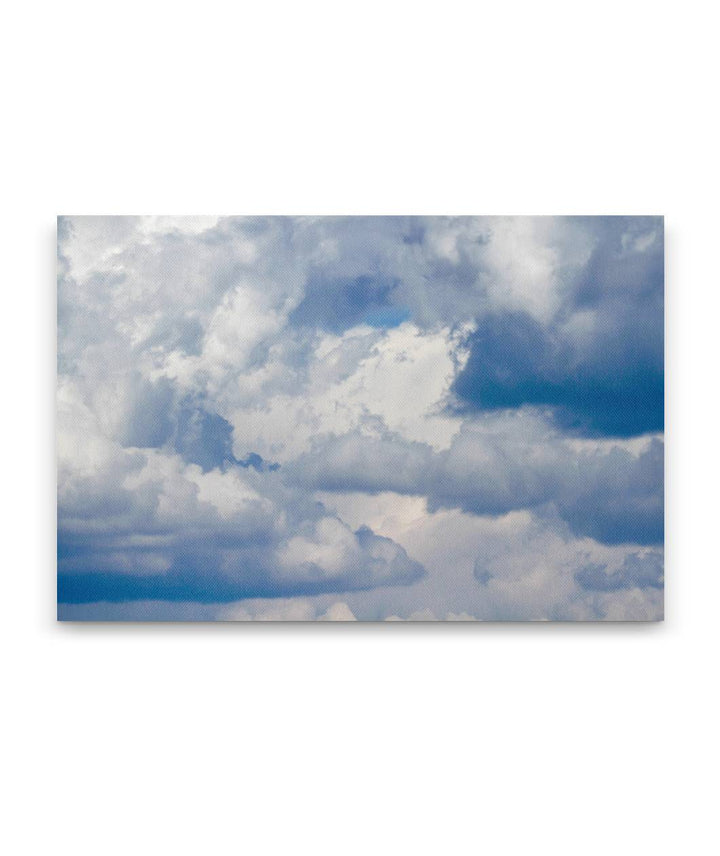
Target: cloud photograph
<point>360,418</point>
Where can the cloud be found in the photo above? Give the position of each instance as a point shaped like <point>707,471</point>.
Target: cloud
<point>294,609</point>
<point>339,304</point>
<point>321,608</point>
<point>598,363</point>
<point>366,379</point>
<point>610,493</point>
<point>638,570</point>
<point>222,381</point>
<point>146,524</point>
<point>518,566</point>
<point>514,361</point>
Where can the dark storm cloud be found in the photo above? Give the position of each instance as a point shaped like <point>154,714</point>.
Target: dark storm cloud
<point>605,377</point>
<point>515,361</point>
<point>213,568</point>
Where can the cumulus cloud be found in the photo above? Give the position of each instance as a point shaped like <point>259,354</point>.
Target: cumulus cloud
<point>517,566</point>
<point>612,493</point>
<point>223,382</point>
<point>146,523</point>
<point>598,363</point>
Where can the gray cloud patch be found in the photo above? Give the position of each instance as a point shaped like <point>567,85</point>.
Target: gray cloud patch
<point>637,571</point>
<point>338,304</point>
<point>613,496</point>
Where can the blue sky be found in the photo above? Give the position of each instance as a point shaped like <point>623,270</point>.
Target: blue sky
<point>360,417</point>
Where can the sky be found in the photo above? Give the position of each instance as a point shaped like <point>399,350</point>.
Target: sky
<point>360,418</point>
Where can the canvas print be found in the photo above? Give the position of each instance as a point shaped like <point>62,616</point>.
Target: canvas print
<point>360,418</point>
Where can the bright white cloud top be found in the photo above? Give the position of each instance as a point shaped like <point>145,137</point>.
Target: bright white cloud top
<point>363,418</point>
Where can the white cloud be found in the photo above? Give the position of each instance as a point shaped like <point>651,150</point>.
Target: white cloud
<point>528,564</point>
<point>332,547</point>
<point>295,609</point>
<point>363,380</point>
<point>147,511</point>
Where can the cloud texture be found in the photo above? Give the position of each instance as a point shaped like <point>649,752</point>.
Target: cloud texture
<point>250,408</point>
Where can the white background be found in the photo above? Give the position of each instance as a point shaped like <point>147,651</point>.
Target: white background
<point>359,739</point>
